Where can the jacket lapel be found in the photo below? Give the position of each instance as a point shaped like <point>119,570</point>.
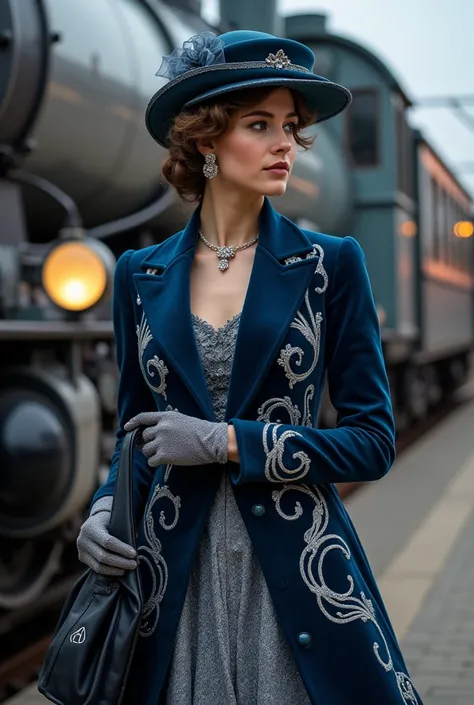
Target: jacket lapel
<point>166,300</point>
<point>274,295</point>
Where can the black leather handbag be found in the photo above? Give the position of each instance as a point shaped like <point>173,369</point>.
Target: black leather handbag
<point>88,660</point>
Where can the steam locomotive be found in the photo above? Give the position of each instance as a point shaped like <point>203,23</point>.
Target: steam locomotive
<point>79,184</point>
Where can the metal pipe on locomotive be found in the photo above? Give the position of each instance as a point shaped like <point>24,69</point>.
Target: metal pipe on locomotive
<point>80,183</point>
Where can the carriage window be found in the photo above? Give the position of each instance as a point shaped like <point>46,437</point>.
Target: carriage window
<point>404,150</point>
<point>439,221</point>
<point>441,234</point>
<point>363,128</point>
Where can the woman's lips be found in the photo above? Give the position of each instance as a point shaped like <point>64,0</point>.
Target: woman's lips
<point>278,170</point>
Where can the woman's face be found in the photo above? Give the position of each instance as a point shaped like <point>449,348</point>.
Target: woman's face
<point>258,139</point>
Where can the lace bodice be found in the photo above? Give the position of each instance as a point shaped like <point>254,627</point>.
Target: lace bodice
<point>216,349</point>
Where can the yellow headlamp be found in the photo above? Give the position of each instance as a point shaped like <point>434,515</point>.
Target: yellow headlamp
<point>78,273</point>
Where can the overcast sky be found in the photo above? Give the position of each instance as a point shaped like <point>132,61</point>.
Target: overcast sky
<point>429,46</point>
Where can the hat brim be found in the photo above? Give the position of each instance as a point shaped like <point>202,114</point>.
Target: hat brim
<point>325,98</point>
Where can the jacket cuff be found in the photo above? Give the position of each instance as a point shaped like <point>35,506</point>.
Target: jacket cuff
<point>248,435</point>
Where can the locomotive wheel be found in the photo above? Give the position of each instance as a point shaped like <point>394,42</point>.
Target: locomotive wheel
<point>26,568</point>
<point>416,393</point>
<point>433,386</point>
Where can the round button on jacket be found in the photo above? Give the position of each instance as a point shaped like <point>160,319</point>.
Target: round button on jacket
<point>258,510</point>
<point>304,639</point>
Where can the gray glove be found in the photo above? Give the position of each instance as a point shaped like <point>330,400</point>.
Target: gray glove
<point>98,549</point>
<point>177,439</point>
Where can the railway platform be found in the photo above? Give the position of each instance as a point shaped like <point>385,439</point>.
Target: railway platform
<point>417,526</point>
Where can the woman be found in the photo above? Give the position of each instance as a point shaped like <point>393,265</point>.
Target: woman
<point>257,588</point>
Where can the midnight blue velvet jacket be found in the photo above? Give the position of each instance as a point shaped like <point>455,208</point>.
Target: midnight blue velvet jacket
<point>308,313</point>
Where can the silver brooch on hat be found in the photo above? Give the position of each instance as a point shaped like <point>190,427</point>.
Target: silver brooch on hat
<point>278,60</point>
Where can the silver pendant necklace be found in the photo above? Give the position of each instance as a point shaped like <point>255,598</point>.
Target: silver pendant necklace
<point>227,252</point>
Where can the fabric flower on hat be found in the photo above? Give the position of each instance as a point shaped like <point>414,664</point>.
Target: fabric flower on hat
<point>201,50</point>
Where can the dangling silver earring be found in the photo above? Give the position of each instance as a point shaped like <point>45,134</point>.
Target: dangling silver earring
<point>210,167</point>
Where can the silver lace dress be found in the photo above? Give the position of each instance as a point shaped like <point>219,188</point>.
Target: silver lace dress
<point>229,648</point>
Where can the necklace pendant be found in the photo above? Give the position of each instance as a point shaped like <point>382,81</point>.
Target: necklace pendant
<point>225,253</point>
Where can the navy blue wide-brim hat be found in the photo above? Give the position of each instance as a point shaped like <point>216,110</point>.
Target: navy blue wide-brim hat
<point>208,66</point>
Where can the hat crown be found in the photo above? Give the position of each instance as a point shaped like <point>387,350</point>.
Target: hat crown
<point>208,66</point>
<point>248,45</point>
<point>243,35</point>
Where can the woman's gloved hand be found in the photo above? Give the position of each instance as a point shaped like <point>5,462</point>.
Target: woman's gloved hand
<point>102,552</point>
<point>177,439</point>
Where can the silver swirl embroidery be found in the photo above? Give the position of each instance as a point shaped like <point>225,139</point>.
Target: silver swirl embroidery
<point>274,464</point>
<point>271,405</point>
<point>308,398</point>
<point>144,337</point>
<point>152,556</point>
<point>309,327</point>
<point>176,500</point>
<point>339,608</point>
<point>311,331</point>
<point>405,686</point>
<point>317,251</point>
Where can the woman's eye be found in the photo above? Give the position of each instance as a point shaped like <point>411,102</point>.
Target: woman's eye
<point>258,124</point>
<point>262,125</point>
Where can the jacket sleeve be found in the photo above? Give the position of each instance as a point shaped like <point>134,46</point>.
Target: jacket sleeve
<point>362,446</point>
<point>133,394</point>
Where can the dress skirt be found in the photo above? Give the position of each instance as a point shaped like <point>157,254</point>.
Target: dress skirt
<point>229,647</point>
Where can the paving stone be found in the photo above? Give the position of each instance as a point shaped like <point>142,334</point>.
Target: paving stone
<point>439,648</point>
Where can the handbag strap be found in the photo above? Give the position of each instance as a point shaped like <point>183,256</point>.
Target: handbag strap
<point>122,523</point>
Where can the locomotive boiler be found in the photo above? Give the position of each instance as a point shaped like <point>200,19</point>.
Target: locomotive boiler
<point>80,183</point>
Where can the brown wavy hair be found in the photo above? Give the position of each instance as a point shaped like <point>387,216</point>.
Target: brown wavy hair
<point>183,166</point>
